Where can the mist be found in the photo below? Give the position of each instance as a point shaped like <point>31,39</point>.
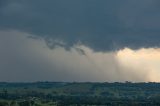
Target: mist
<point>27,58</point>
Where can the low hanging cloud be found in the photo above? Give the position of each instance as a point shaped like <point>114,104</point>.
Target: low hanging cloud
<point>26,57</point>
<point>103,25</point>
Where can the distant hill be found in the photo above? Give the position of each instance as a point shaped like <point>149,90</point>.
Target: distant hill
<point>83,93</point>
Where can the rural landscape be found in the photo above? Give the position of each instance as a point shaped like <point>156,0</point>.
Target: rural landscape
<point>79,94</point>
<point>79,52</point>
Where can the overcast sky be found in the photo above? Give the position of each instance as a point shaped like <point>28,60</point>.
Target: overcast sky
<point>80,40</point>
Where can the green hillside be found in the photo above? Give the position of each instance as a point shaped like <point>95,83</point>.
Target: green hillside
<point>81,94</point>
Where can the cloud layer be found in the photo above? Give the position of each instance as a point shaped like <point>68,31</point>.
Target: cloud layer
<point>79,40</point>
<point>26,58</point>
<point>101,25</point>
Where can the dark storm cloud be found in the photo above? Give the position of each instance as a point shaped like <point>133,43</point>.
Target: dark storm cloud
<point>100,24</point>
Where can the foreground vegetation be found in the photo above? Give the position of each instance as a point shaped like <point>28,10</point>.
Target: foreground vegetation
<point>79,94</point>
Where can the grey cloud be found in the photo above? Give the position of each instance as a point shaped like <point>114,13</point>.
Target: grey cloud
<point>25,59</point>
<point>102,25</point>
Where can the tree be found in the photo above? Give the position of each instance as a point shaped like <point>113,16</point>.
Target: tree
<point>24,103</point>
<point>3,103</point>
<point>32,102</point>
<point>13,103</point>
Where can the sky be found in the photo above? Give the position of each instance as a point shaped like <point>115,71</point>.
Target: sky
<point>80,40</point>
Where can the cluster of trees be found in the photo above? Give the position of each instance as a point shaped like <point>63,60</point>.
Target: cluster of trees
<point>15,103</point>
<point>63,94</point>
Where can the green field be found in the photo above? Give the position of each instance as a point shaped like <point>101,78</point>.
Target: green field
<point>79,94</point>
